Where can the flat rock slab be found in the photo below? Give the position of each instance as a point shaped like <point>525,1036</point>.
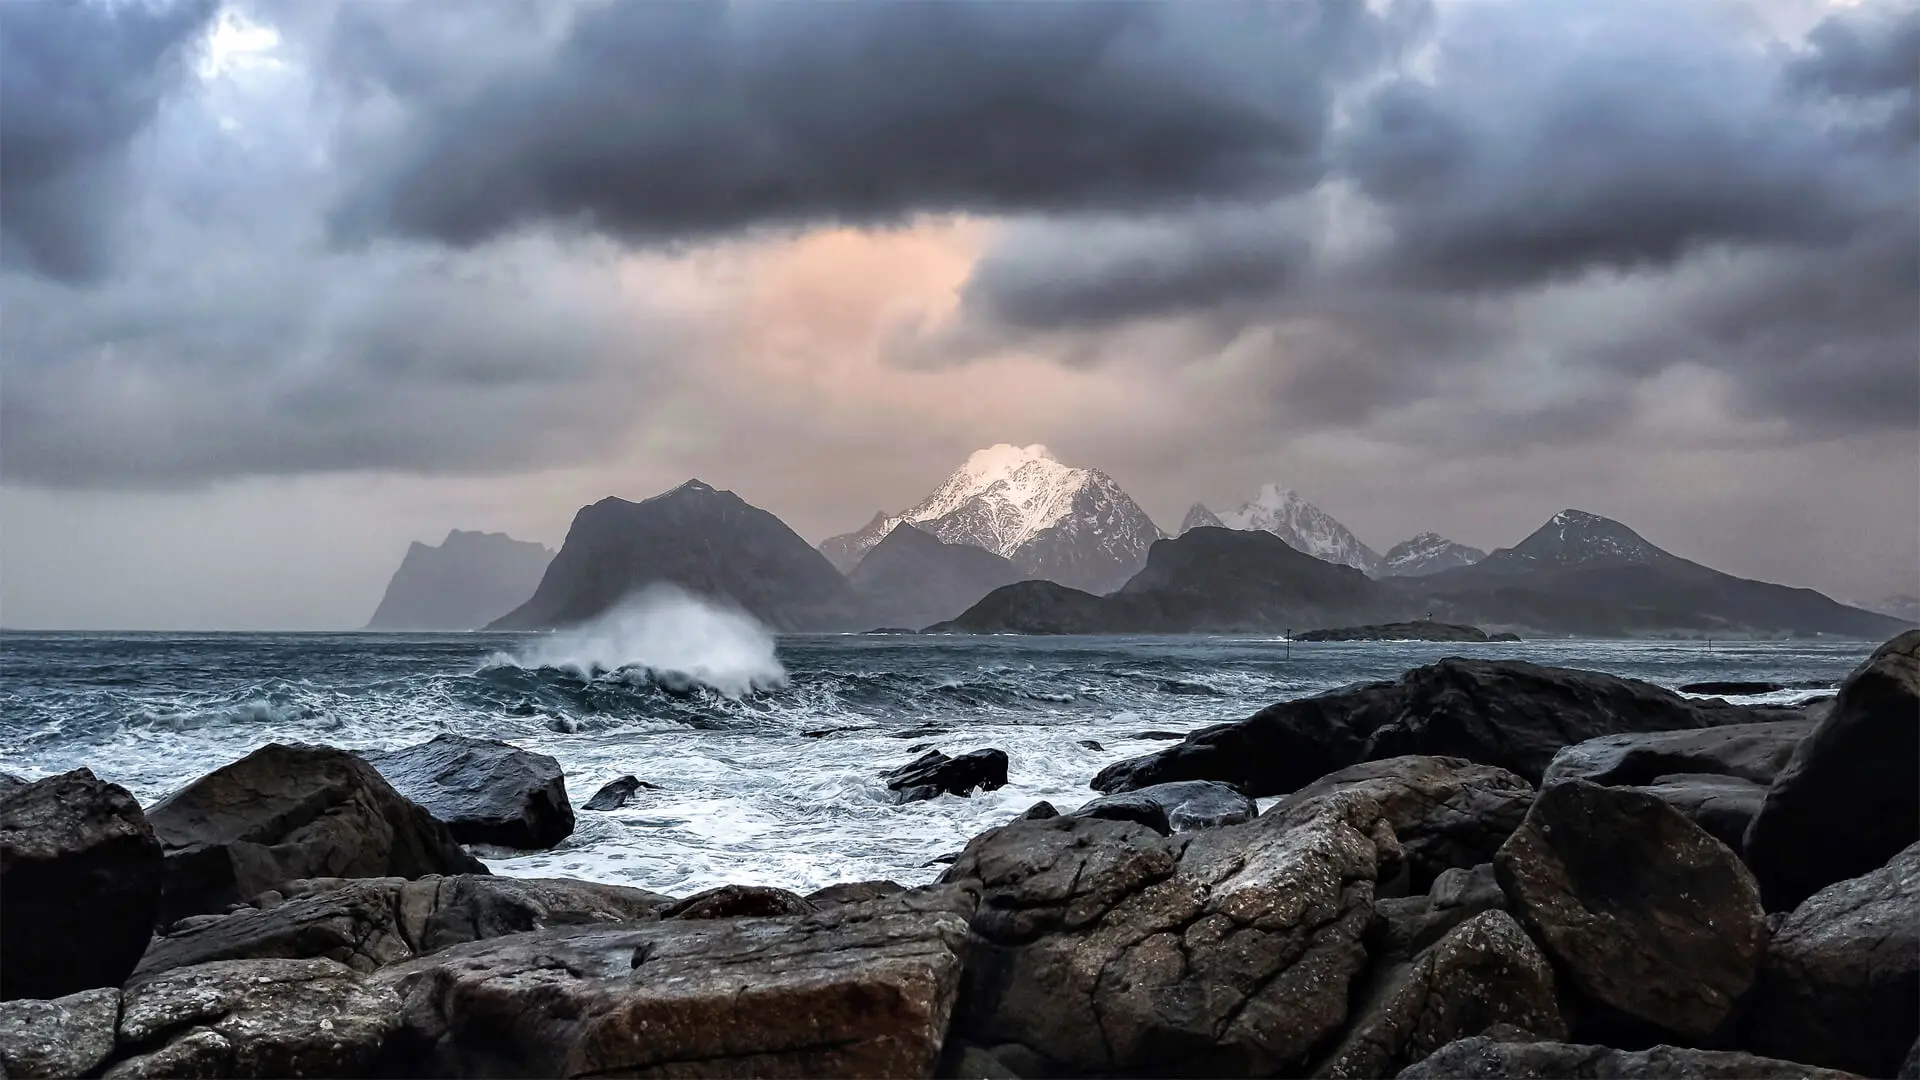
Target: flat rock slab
<point>1649,917</point>
<point>862,989</point>
<point>487,791</point>
<point>68,1036</point>
<point>1722,805</point>
<point>1841,982</point>
<point>1104,947</point>
<point>1485,1059</point>
<point>80,872</point>
<point>1755,752</point>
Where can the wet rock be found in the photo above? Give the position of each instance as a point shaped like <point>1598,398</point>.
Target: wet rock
<point>617,793</point>
<point>487,791</point>
<point>854,892</point>
<point>1722,805</point>
<point>736,901</point>
<point>1755,752</point>
<point>283,813</point>
<point>1403,926</point>
<point>1201,804</point>
<point>1487,1059</point>
<point>1841,983</point>
<point>8,780</point>
<point>1160,736</point>
<point>240,1018</point>
<point>935,774</point>
<point>1652,920</point>
<point>67,1036</point>
<point>1731,688</point>
<point>1484,972</point>
<point>79,885</point>
<point>1128,806</point>
<point>964,1061</point>
<point>1092,744</point>
<point>1910,1068</point>
<point>1106,948</point>
<point>1040,811</point>
<point>1849,798</point>
<point>1447,812</point>
<point>855,990</point>
<point>372,922</point>
<point>1506,713</point>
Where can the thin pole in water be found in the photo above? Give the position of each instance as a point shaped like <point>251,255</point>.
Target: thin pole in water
<point>1289,642</point>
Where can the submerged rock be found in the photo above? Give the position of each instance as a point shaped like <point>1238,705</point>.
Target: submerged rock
<point>854,892</point>
<point>1447,812</point>
<point>1651,919</point>
<point>1484,972</point>
<point>934,774</point>
<point>617,793</point>
<point>284,813</point>
<point>68,1036</point>
<point>1506,713</point>
<point>1486,1059</point>
<point>854,990</point>
<point>487,791</point>
<point>736,901</point>
<point>1849,799</point>
<point>1105,948</point>
<point>369,923</point>
<point>1841,983</point>
<point>79,885</point>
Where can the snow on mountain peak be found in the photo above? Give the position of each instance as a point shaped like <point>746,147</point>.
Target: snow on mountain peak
<point>1428,553</point>
<point>1304,526</point>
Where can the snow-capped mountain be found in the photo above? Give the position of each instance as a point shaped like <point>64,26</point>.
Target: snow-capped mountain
<point>1070,525</point>
<point>1427,553</point>
<point>1198,517</point>
<point>1304,526</point>
<point>1575,537</point>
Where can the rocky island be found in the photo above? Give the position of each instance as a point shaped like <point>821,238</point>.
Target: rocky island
<point>1417,630</point>
<point>1481,868</point>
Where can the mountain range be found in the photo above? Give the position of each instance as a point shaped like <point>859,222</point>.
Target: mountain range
<point>1016,541</point>
<point>467,580</point>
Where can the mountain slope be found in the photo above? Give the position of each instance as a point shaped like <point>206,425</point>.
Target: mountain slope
<point>1581,573</point>
<point>1207,580</point>
<point>1199,517</point>
<point>711,543</point>
<point>912,579</point>
<point>469,578</point>
<point>1071,525</point>
<point>1427,553</point>
<point>1304,526</point>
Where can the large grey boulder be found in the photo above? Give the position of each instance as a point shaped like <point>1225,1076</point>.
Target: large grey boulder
<point>1841,982</point>
<point>284,813</point>
<point>1483,973</point>
<point>79,885</point>
<point>1722,805</point>
<point>1755,752</point>
<point>1192,804</point>
<point>1102,947</point>
<point>1447,812</point>
<point>1482,1058</point>
<point>373,922</point>
<point>1655,923</point>
<point>68,1036</point>
<point>1849,799</point>
<point>487,791</point>
<point>862,989</point>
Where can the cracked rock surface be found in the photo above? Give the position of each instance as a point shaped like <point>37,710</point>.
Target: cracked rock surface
<point>1485,1059</point>
<point>69,1036</point>
<point>1104,947</point>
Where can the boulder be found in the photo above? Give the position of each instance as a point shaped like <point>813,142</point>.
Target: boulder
<point>1755,752</point>
<point>1198,804</point>
<point>1841,983</point>
<point>1487,1059</point>
<point>1403,926</point>
<point>934,774</point>
<point>1103,947</point>
<point>736,901</point>
<point>855,990</point>
<point>487,791</point>
<point>1484,972</point>
<point>68,1036</point>
<point>1910,1068</point>
<point>1849,798</point>
<point>1040,811</point>
<point>1731,687</point>
<point>254,1018</point>
<point>617,793</point>
<point>854,892</point>
<point>369,923</point>
<point>1507,713</point>
<point>79,885</point>
<point>283,813</point>
<point>1722,805</point>
<point>1128,806</point>
<point>1448,812</point>
<point>1651,919</point>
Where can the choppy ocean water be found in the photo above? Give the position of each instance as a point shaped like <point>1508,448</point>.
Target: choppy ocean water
<point>767,752</point>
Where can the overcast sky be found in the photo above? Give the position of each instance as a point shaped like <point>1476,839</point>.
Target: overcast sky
<point>286,284</point>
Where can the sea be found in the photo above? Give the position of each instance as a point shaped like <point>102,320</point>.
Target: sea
<point>767,751</point>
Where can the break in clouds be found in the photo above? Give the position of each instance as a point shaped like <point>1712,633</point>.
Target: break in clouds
<point>276,239</point>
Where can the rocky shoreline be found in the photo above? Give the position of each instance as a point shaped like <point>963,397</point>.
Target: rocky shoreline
<point>1481,868</point>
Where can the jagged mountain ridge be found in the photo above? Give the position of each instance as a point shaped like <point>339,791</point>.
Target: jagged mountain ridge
<point>711,543</point>
<point>1427,553</point>
<point>1075,526</point>
<point>462,583</point>
<point>1304,526</point>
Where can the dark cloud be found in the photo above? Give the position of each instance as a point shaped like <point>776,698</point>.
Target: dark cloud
<point>78,81</point>
<point>666,121</point>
